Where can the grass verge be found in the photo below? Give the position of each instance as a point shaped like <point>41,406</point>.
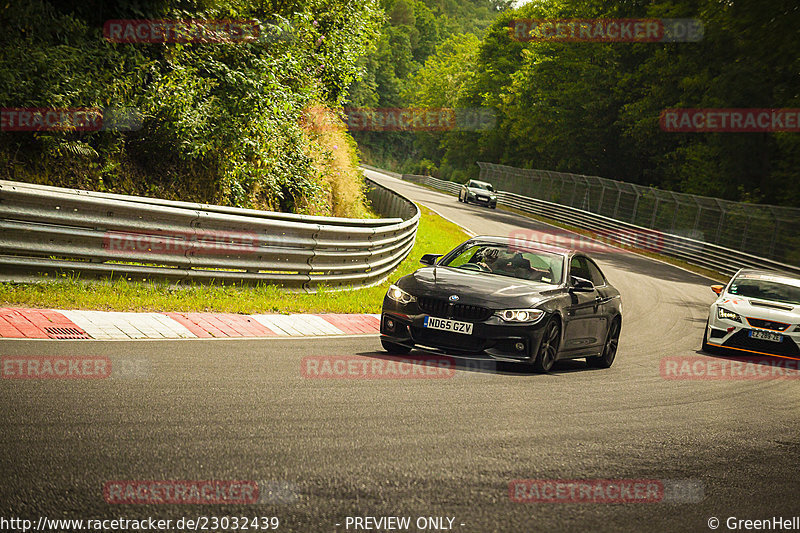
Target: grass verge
<point>435,235</point>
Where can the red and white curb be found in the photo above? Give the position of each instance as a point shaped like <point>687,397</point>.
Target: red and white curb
<point>16,323</point>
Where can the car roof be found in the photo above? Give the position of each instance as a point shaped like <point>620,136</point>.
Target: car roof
<point>767,274</point>
<point>481,182</point>
<point>523,244</point>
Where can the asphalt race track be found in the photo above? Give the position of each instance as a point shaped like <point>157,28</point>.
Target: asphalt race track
<point>450,447</point>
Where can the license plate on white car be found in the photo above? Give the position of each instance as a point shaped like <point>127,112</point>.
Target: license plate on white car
<point>765,335</point>
<point>445,324</point>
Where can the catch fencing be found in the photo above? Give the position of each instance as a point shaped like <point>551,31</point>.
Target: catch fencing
<point>607,222</point>
<point>766,231</point>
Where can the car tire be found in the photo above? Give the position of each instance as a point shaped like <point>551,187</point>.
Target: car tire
<point>394,348</point>
<point>606,359</point>
<point>548,347</point>
<point>493,206</point>
<point>705,346</point>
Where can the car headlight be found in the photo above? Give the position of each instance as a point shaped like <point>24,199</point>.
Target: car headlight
<point>730,315</point>
<point>521,315</point>
<point>399,295</point>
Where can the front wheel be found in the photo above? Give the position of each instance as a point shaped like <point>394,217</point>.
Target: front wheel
<point>548,347</point>
<point>606,359</point>
<point>705,346</point>
<point>394,348</point>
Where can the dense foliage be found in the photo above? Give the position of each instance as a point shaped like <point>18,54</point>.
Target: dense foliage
<point>593,108</point>
<point>221,122</point>
<point>412,32</point>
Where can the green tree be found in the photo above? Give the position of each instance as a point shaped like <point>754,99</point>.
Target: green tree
<point>220,122</point>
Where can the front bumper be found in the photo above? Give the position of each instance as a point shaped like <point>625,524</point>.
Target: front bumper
<point>403,324</point>
<point>482,200</point>
<point>724,333</point>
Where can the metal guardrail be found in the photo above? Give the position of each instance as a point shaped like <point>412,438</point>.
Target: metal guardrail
<point>446,186</point>
<point>695,252</point>
<point>49,232</point>
<point>760,230</point>
<point>382,171</point>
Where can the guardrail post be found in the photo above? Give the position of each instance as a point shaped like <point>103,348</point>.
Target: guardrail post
<point>561,190</point>
<point>635,205</point>
<point>602,196</point>
<point>574,191</point>
<point>619,197</point>
<point>744,235</point>
<point>675,213</point>
<point>774,235</point>
<point>697,216</point>
<point>723,212</point>
<point>655,213</point>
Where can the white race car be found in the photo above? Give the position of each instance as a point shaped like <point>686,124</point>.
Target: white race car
<point>758,312</point>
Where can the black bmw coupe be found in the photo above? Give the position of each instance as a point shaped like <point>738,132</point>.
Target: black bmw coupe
<point>521,302</point>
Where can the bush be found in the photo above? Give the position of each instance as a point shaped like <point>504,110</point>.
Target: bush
<point>221,123</point>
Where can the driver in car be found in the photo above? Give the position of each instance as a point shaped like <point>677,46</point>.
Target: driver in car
<point>521,268</point>
<point>489,259</point>
<point>515,265</point>
<point>508,264</point>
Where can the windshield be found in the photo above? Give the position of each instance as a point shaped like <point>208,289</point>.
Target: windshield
<point>767,289</point>
<point>500,260</point>
<point>484,186</point>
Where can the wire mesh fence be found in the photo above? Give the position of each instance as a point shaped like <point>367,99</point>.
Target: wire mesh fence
<point>762,230</point>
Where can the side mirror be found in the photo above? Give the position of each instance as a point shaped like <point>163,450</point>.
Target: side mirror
<point>581,285</point>
<point>717,289</point>
<point>429,259</point>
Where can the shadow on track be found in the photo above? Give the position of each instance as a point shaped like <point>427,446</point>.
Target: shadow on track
<point>752,358</point>
<point>485,365</point>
